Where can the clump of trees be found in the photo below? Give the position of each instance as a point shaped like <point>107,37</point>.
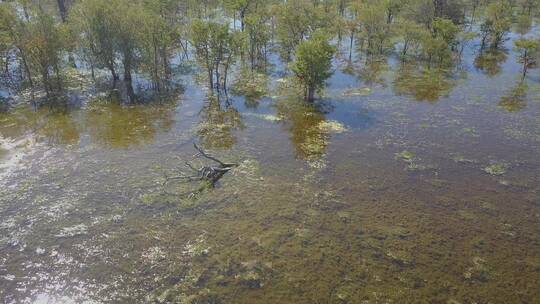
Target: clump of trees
<point>40,41</point>
<point>142,38</point>
<point>36,42</point>
<point>496,23</point>
<point>216,49</point>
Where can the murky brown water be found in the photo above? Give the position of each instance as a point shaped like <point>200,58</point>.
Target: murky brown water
<point>401,186</point>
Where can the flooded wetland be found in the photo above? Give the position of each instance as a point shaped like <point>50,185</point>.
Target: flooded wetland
<point>401,183</point>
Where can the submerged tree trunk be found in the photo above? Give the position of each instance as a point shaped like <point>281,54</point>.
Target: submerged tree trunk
<point>525,65</point>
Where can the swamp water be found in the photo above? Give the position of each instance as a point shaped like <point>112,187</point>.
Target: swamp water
<point>399,186</point>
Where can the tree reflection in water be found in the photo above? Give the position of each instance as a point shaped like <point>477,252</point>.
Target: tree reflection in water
<point>306,125</point>
<point>218,124</point>
<point>422,84</point>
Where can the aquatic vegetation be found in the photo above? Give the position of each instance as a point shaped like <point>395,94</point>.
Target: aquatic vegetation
<point>330,126</point>
<point>197,247</point>
<point>490,61</point>
<point>496,169</point>
<point>522,134</point>
<point>406,156</point>
<point>515,100</point>
<point>471,131</point>
<point>412,161</point>
<point>253,86</point>
<point>363,196</point>
<point>479,271</point>
<point>76,230</point>
<point>268,117</point>
<point>458,158</point>
<point>357,92</point>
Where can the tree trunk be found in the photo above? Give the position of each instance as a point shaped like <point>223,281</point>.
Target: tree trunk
<point>242,16</point>
<point>6,64</point>
<point>525,65</point>
<point>351,44</point>
<point>127,67</point>
<point>211,79</point>
<point>165,61</point>
<point>311,93</point>
<point>62,9</point>
<point>113,72</point>
<point>405,49</point>
<point>93,71</point>
<point>27,69</point>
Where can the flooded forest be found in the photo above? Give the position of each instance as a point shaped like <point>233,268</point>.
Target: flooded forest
<point>270,151</point>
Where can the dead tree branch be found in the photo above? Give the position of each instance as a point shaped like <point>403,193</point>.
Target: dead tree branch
<point>210,174</point>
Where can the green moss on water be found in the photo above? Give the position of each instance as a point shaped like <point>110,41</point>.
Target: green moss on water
<point>496,169</point>
<point>405,155</point>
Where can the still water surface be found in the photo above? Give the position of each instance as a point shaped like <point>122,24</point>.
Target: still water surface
<point>400,186</point>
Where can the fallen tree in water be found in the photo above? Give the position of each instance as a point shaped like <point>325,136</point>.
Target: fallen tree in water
<point>208,174</point>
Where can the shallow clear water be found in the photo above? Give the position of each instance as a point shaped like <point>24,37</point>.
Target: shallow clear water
<point>400,186</point>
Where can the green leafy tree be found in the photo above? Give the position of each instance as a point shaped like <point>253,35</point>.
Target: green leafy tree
<point>313,65</point>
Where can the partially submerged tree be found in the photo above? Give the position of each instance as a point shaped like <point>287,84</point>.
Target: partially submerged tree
<point>296,21</point>
<point>96,25</point>
<point>241,7</point>
<point>160,36</point>
<point>216,48</point>
<point>313,64</point>
<point>45,45</point>
<point>497,23</point>
<point>411,34</point>
<point>258,37</point>
<point>375,26</point>
<point>528,53</point>
<point>37,42</point>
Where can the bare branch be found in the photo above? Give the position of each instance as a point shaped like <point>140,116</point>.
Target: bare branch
<point>204,154</point>
<point>209,174</point>
<point>191,167</point>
